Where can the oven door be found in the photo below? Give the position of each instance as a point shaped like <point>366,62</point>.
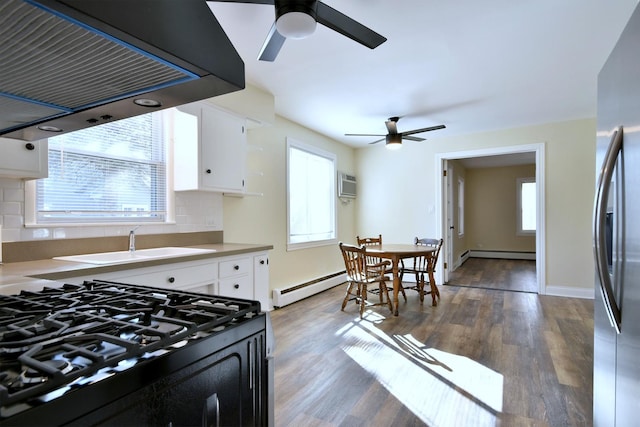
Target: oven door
<point>218,380</point>
<point>223,389</point>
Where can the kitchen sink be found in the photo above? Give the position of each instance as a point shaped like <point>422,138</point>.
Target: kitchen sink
<point>122,257</point>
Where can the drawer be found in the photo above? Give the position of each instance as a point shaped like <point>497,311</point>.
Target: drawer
<point>206,288</point>
<point>235,267</point>
<point>236,287</point>
<point>184,277</point>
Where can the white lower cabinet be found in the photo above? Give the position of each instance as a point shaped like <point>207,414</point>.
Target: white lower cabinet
<point>244,276</point>
<point>261,280</point>
<point>194,276</point>
<point>236,277</point>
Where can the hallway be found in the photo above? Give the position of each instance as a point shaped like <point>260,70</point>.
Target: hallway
<point>502,274</point>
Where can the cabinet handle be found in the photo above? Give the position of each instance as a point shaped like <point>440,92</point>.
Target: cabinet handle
<point>236,286</point>
<point>262,262</point>
<point>29,146</point>
<point>208,171</point>
<point>236,267</point>
<point>171,279</point>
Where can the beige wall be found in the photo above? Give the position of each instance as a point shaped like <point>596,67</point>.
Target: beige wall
<point>263,219</point>
<point>491,209</point>
<point>407,179</point>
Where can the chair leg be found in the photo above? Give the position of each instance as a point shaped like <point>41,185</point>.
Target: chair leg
<point>385,289</point>
<point>363,298</point>
<point>434,293</point>
<point>346,297</point>
<point>421,287</point>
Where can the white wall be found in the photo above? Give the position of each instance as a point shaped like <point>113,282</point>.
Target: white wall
<point>406,178</point>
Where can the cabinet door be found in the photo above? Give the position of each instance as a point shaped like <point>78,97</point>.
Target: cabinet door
<point>223,150</point>
<point>236,287</point>
<point>192,276</point>
<point>261,290</point>
<point>22,159</point>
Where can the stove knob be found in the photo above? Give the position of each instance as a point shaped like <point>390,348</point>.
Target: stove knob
<point>171,279</point>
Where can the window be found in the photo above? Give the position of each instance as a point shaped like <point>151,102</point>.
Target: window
<point>311,195</point>
<point>115,172</point>
<point>460,207</point>
<point>526,206</point>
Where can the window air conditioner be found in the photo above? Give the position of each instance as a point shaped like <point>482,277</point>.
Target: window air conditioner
<point>346,185</point>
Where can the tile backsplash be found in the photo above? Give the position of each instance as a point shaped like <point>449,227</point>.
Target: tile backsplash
<point>194,211</point>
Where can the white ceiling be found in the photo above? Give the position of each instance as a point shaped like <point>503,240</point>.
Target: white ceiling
<point>472,66</point>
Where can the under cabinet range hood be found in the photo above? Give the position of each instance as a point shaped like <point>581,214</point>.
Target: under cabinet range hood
<point>69,64</point>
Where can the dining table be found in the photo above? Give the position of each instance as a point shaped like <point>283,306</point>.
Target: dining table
<point>396,252</point>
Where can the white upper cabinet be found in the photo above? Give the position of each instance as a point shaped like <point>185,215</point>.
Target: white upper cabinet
<point>209,149</point>
<point>24,159</point>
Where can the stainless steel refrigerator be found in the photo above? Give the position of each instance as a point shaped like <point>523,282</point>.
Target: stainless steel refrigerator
<point>616,373</point>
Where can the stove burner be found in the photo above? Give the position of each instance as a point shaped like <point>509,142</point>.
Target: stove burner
<point>62,336</point>
<point>34,376</point>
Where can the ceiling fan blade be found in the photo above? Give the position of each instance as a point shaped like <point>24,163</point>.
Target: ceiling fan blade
<point>392,126</point>
<point>346,26</point>
<point>363,134</point>
<point>375,142</point>
<point>411,132</point>
<point>272,45</point>
<point>245,1</point>
<point>412,138</point>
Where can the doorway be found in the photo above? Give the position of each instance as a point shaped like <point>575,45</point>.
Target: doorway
<point>444,204</point>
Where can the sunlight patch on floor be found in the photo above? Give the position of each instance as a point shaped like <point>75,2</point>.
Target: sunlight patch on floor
<point>441,388</point>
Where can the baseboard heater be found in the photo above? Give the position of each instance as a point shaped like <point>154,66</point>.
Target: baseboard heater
<point>502,254</point>
<point>282,297</point>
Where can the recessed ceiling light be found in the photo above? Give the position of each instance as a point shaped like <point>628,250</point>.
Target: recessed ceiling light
<point>146,102</point>
<point>48,128</point>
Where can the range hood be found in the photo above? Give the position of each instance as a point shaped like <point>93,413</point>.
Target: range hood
<point>66,65</point>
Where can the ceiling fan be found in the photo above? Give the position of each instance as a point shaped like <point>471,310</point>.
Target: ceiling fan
<point>297,19</point>
<point>394,138</point>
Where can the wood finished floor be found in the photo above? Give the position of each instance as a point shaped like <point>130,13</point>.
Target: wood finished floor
<point>480,358</point>
<point>504,274</point>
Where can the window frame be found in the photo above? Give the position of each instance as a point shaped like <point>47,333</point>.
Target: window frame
<point>310,149</point>
<point>519,230</point>
<point>162,125</point>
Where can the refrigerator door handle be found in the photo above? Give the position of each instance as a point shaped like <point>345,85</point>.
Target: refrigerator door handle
<point>599,243</point>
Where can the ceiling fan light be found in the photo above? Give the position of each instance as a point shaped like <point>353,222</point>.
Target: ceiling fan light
<point>296,25</point>
<point>394,142</point>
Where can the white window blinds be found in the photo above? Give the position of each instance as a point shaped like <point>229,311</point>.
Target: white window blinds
<point>110,173</point>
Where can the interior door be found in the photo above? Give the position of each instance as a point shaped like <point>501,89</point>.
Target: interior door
<point>447,191</point>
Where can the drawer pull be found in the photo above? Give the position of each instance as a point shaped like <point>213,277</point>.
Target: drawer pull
<point>262,262</point>
<point>236,267</point>
<point>171,279</point>
<point>236,286</point>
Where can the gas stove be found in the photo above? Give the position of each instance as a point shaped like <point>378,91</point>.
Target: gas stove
<point>60,342</point>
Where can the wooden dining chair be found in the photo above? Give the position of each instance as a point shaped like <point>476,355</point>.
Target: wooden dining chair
<point>374,260</point>
<point>360,276</point>
<point>423,265</point>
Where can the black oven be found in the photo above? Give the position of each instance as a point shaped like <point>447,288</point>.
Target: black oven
<point>115,354</point>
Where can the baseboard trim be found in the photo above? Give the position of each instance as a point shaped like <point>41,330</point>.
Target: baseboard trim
<point>570,292</point>
<point>502,255</point>
<point>282,297</point>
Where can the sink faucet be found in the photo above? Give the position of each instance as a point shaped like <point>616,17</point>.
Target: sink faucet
<point>132,239</point>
